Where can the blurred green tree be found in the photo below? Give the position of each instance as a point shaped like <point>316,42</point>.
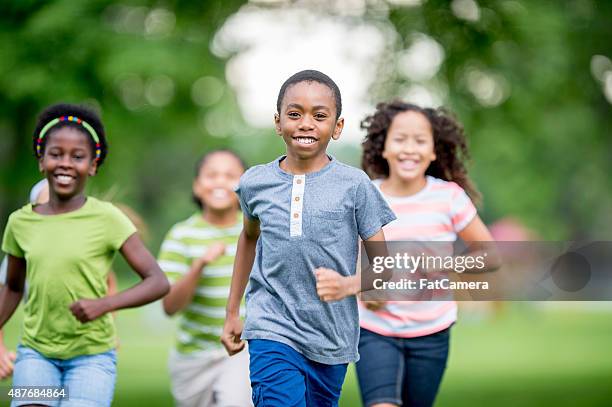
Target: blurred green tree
<point>145,65</point>
<point>519,74</point>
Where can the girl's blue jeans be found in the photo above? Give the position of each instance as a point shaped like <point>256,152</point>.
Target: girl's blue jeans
<point>89,380</point>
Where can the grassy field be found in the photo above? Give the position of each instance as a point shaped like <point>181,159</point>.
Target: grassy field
<point>524,356</point>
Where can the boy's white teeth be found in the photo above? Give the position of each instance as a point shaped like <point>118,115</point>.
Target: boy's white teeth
<point>305,140</point>
<point>64,178</point>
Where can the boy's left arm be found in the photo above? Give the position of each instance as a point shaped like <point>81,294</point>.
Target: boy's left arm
<point>371,214</point>
<point>332,286</point>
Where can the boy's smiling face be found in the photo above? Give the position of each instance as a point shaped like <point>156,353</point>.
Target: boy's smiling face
<point>307,120</point>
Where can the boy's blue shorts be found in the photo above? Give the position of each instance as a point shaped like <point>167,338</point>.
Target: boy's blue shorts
<point>282,377</point>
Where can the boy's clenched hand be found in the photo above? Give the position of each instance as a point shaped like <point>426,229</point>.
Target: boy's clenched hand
<point>230,338</point>
<point>331,286</point>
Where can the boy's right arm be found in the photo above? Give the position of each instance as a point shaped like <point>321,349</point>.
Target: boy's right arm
<point>243,263</point>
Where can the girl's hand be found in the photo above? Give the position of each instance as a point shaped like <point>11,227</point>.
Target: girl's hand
<point>230,338</point>
<point>374,305</point>
<point>331,286</point>
<point>88,310</point>
<point>215,251</point>
<point>7,361</point>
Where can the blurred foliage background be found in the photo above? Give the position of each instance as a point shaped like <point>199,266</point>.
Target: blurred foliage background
<point>530,80</point>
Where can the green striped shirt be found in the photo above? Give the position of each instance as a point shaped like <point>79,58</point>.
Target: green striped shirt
<point>202,320</point>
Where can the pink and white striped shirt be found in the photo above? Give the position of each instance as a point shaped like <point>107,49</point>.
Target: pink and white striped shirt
<point>435,214</point>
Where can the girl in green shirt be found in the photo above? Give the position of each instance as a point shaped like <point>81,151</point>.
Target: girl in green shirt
<point>64,249</point>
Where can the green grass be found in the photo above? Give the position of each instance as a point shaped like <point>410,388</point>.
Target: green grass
<point>526,356</point>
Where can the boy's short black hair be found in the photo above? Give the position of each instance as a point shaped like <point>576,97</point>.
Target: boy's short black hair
<point>82,112</point>
<point>311,76</point>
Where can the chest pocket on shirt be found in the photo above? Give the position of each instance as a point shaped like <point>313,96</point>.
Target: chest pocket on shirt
<point>327,226</point>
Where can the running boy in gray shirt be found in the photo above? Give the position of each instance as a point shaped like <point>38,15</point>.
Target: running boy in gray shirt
<point>304,213</point>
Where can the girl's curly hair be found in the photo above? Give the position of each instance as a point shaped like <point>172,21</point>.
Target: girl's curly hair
<point>449,144</point>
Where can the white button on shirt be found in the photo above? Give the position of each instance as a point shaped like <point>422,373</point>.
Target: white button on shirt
<point>297,198</point>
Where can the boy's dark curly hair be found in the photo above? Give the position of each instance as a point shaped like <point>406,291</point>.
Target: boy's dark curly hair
<point>82,112</point>
<point>449,144</point>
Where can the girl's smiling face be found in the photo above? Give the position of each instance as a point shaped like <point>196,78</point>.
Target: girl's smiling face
<point>409,146</point>
<point>307,120</point>
<point>67,162</point>
<point>216,180</point>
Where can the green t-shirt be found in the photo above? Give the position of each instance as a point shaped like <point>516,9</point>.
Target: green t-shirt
<point>68,258</point>
<point>202,320</point>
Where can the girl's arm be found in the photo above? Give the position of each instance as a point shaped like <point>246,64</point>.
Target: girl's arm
<point>475,231</point>
<point>153,286</point>
<point>111,281</point>
<point>243,263</point>
<point>478,239</point>
<point>181,293</point>
<point>10,296</point>
<point>11,293</point>
<point>7,359</point>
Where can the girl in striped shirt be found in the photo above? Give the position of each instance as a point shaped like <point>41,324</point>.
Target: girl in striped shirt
<point>197,256</point>
<point>416,157</point>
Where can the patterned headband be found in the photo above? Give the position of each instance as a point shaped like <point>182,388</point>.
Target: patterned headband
<point>73,119</point>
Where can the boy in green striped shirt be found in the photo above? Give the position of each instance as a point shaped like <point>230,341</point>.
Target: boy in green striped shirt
<point>197,256</point>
